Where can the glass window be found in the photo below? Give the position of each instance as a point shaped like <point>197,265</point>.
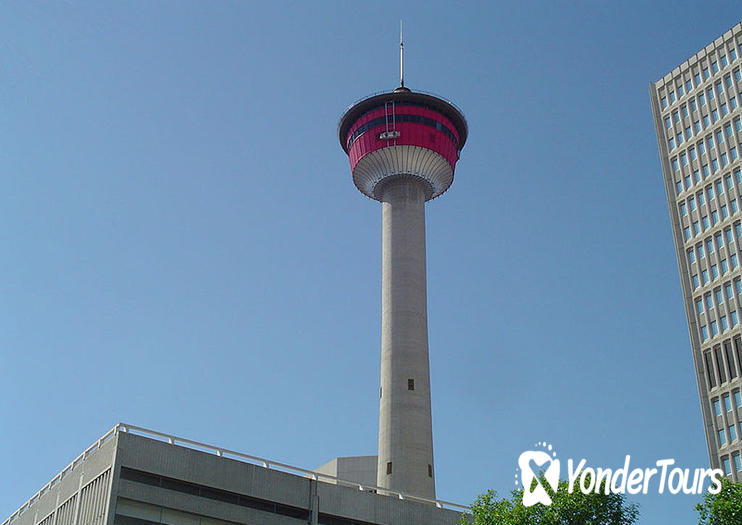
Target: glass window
<point>683,209</point>
<point>737,462</point>
<point>710,193</point>
<point>738,286</point>
<point>719,297</point>
<point>663,101</point>
<point>719,137</point>
<point>717,407</point>
<point>684,110</point>
<point>728,130</point>
<point>719,188</point>
<point>709,94</point>
<point>699,306</point>
<point>687,181</point>
<point>724,266</point>
<point>679,186</point>
<point>738,124</point>
<point>728,81</point>
<point>738,399</point>
<point>714,115</point>
<point>709,301</point>
<point>732,54</point>
<point>714,68</point>
<point>705,276</point>
<point>719,86</point>
<point>738,230</point>
<point>686,232</point>
<point>696,283</point>
<point>724,212</point>
<point>732,434</point>
<point>688,86</point>
<point>714,273</point>
<point>688,133</point>
<point>704,333</point>
<point>733,152</point>
<point>701,100</point>
<point>697,79</point>
<point>733,102</point>
<point>725,462</point>
<point>675,116</point>
<point>714,217</point>
<point>714,328</point>
<point>728,235</point>
<point>724,110</point>
<point>724,323</point>
<point>692,203</point>
<point>706,73</point>
<point>692,104</point>
<point>724,61</point>
<point>710,142</point>
<point>671,141</point>
<point>733,206</point>
<point>696,228</point>
<point>714,165</point>
<point>692,153</point>
<point>733,261</point>
<point>696,126</point>
<point>684,159</point>
<point>727,403</point>
<point>738,176</point>
<point>722,442</point>
<point>710,246</point>
<point>691,256</point>
<point>738,75</point>
<point>701,252</point>
<point>680,138</point>
<point>728,291</point>
<point>724,160</point>
<point>705,222</point>
<point>681,90</point>
<point>706,121</point>
<point>672,97</point>
<point>733,317</point>
<point>701,198</point>
<point>719,240</point>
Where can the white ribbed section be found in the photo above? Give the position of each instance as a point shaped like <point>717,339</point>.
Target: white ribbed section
<point>403,160</point>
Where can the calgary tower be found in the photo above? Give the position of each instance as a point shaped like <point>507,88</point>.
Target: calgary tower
<point>403,147</point>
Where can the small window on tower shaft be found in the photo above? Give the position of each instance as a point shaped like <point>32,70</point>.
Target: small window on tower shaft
<point>430,470</point>
<point>410,384</point>
<point>389,467</point>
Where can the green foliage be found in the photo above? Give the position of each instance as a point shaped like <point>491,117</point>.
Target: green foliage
<point>566,509</point>
<point>724,508</point>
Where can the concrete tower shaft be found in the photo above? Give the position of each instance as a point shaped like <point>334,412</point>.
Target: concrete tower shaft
<point>405,459</point>
<point>403,148</point>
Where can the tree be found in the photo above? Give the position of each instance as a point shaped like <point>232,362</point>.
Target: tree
<point>566,509</point>
<point>724,508</point>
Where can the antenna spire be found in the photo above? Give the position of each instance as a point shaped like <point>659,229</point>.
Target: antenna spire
<point>401,56</point>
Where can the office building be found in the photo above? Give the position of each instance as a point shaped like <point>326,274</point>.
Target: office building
<point>697,117</point>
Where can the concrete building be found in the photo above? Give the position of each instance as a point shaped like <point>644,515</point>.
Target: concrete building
<point>134,476</point>
<point>697,114</point>
<point>403,147</point>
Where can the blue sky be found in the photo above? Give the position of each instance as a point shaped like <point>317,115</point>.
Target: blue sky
<point>185,249</point>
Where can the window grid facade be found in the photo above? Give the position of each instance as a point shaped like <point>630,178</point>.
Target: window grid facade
<point>698,118</point>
